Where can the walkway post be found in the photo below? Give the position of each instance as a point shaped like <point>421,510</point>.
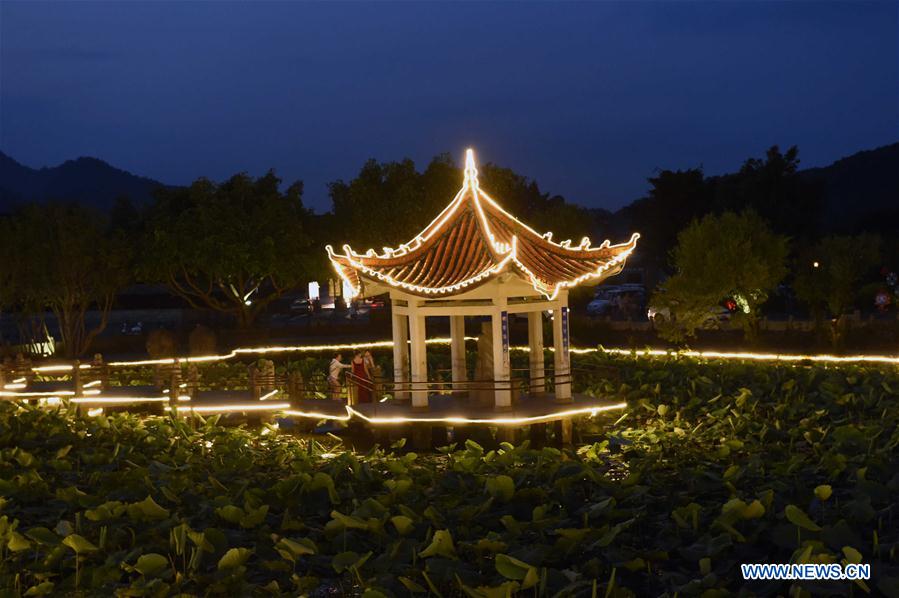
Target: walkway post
<point>561,359</point>
<point>499,319</point>
<point>419,359</point>
<point>535,355</point>
<point>562,363</point>
<point>400,354</point>
<point>457,352</point>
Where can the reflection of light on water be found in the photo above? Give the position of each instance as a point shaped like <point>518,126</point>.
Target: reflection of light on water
<point>618,471</point>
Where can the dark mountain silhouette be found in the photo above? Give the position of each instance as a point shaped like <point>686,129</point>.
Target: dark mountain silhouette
<point>85,180</point>
<point>861,192</point>
<point>854,194</point>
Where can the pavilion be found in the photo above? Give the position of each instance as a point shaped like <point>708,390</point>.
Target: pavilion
<point>476,259</point>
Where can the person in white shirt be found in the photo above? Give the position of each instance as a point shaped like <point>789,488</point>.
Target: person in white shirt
<point>334,375</point>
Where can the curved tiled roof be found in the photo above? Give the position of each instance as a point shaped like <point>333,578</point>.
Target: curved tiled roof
<point>472,241</point>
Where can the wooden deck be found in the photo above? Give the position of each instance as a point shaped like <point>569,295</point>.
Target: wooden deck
<point>443,409</point>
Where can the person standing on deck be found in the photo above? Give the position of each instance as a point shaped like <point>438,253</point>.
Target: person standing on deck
<point>362,378</point>
<point>334,369</point>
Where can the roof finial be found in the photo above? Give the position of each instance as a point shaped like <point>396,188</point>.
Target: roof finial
<point>471,173</point>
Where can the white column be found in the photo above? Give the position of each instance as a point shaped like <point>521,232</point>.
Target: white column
<point>501,367</point>
<point>419,360</point>
<point>535,344</point>
<point>457,351</point>
<point>400,354</point>
<point>561,359</point>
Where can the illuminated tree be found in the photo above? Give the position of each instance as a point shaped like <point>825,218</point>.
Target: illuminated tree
<point>727,256</point>
<point>232,247</point>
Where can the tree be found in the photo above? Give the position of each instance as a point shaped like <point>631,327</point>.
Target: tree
<point>773,188</point>
<point>65,259</point>
<point>720,257</point>
<point>829,276</point>
<point>388,202</point>
<point>7,260</point>
<point>675,199</point>
<point>383,205</point>
<point>232,247</point>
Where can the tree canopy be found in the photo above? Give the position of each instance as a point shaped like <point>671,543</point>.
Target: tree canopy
<point>829,276</point>
<point>389,202</point>
<point>727,256</point>
<point>771,186</point>
<point>233,247</point>
<point>64,257</point>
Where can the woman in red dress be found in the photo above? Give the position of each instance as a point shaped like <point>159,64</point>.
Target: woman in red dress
<point>362,378</point>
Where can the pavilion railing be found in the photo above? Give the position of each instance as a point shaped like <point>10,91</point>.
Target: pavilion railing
<point>382,389</point>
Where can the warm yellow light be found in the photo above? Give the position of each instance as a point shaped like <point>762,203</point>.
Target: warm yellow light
<point>166,361</point>
<point>456,419</point>
<point>95,411</point>
<point>59,368</point>
<point>116,400</point>
<point>317,414</point>
<point>496,421</point>
<point>14,385</point>
<point>753,356</point>
<point>232,408</point>
<point>93,383</point>
<point>25,395</point>
<point>509,251</point>
<point>445,341</point>
<point>268,395</point>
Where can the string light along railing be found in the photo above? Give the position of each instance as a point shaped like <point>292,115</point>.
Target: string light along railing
<point>116,400</point>
<point>56,398</point>
<point>746,355</point>
<point>495,421</point>
<point>229,408</point>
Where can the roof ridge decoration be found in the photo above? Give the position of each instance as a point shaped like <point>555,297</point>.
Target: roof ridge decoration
<point>474,239</point>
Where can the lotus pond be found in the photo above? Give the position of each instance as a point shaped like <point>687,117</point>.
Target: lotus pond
<point>712,465</point>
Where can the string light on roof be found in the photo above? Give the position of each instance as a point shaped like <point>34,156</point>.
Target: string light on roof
<point>579,263</point>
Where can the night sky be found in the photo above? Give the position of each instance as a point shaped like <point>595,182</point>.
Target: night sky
<point>588,99</point>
